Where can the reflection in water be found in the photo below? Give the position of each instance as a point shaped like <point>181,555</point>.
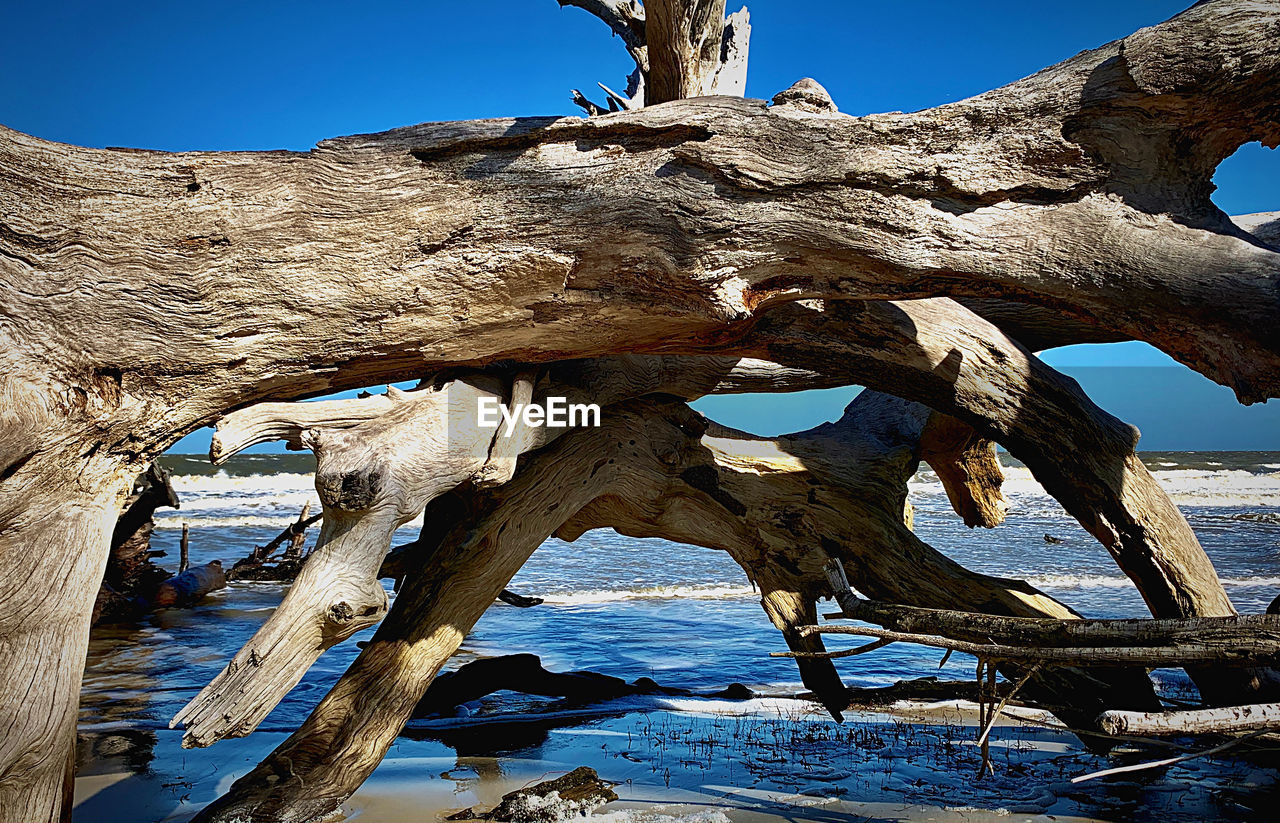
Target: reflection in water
<point>684,616</point>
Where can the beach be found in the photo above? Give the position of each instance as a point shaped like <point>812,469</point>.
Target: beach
<point>687,618</point>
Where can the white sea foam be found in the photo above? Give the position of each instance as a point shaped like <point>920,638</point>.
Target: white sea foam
<point>174,520</point>
<point>1186,487</point>
<point>223,482</point>
<point>702,592</point>
<point>1100,581</point>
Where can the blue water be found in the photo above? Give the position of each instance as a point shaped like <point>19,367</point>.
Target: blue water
<point>682,615</point>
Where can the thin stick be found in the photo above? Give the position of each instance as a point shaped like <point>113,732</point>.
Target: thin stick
<point>183,559</point>
<point>982,739</point>
<point>1091,655</point>
<point>984,667</point>
<point>869,647</point>
<point>1168,761</point>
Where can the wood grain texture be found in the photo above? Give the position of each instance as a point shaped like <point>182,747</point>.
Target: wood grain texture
<point>145,294</point>
<point>781,508</point>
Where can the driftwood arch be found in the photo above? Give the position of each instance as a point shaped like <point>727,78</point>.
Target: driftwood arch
<point>691,245</point>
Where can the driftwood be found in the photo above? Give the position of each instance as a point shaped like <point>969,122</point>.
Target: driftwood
<point>189,587</point>
<point>653,467</point>
<point>134,586</point>
<point>1219,720</point>
<point>570,795</point>
<point>1249,640</point>
<point>524,673</point>
<point>675,228</point>
<point>131,577</point>
<point>261,564</point>
<point>1226,641</point>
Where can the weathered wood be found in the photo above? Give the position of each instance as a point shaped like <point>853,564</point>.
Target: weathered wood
<point>470,551</point>
<point>1220,720</point>
<point>1228,641</point>
<point>1224,632</point>
<point>579,791</point>
<point>130,571</point>
<point>684,47</point>
<point>258,564</point>
<point>789,607</point>
<point>653,468</point>
<point>538,240</point>
<point>190,587</point>
<point>524,673</point>
<point>783,507</point>
<point>372,478</point>
<point>939,353</point>
<point>1128,656</point>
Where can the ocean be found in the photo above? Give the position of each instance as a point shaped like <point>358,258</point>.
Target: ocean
<point>684,616</point>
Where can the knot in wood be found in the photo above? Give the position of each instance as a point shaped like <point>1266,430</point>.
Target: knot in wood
<point>350,491</point>
<point>341,612</point>
<point>806,94</point>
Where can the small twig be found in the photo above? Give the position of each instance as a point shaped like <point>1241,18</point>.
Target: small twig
<point>591,108</point>
<point>621,99</point>
<point>1168,761</point>
<point>991,721</point>
<point>869,647</point>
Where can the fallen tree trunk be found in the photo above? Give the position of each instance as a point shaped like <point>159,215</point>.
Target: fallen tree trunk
<point>1128,656</point>
<point>524,673</point>
<point>1220,720</point>
<point>190,587</point>
<point>652,469</point>
<point>466,244</point>
<point>1226,634</point>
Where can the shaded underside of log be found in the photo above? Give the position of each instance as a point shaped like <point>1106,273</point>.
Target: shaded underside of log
<point>525,674</point>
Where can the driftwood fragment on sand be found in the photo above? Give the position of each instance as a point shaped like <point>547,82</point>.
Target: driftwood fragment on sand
<point>1217,720</point>
<point>566,797</point>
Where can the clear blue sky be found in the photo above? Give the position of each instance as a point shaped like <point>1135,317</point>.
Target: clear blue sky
<point>286,75</point>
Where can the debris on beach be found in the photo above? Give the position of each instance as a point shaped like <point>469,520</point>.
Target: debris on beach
<point>577,793</point>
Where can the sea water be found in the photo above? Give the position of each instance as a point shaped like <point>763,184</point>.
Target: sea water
<point>685,616</point>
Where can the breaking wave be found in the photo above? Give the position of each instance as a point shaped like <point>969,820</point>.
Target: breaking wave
<point>1100,581</point>
<point>705,592</point>
<point>1186,487</point>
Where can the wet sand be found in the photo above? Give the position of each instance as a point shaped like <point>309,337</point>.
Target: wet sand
<point>702,762</point>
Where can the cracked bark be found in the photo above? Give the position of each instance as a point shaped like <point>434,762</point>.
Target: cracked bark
<point>1083,190</point>
<point>781,508</point>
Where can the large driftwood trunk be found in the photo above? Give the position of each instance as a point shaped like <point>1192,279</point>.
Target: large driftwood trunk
<point>782,508</point>
<point>941,354</point>
<point>1083,190</point>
